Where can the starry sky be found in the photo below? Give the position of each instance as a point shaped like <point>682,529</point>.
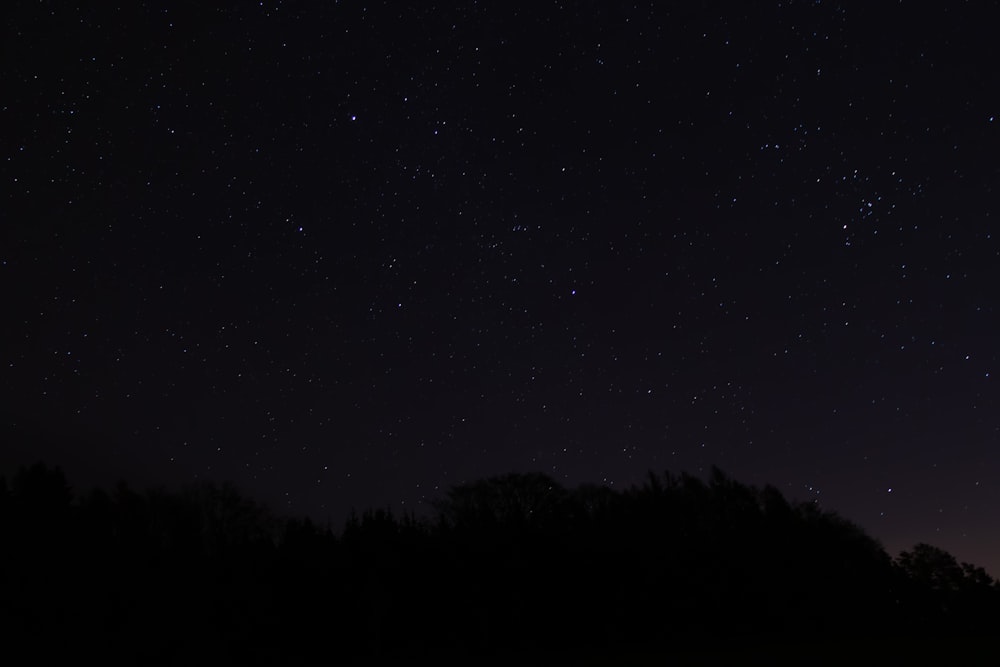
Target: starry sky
<point>350,253</point>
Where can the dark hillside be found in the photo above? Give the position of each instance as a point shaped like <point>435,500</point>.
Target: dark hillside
<point>676,571</point>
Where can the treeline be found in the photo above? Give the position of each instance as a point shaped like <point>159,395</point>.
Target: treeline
<point>508,567</point>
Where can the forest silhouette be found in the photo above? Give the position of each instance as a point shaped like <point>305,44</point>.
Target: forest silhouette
<point>511,569</point>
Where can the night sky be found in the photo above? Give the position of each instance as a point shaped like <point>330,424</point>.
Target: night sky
<point>349,254</point>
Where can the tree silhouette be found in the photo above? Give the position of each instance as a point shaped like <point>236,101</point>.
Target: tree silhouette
<point>511,566</point>
<point>932,567</point>
<point>513,500</point>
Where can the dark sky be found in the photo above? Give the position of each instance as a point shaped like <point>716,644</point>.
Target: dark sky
<point>346,254</point>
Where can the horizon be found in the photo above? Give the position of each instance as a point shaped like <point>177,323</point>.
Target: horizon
<point>336,521</point>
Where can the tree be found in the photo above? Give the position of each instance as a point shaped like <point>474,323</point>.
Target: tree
<point>510,500</point>
<point>932,567</point>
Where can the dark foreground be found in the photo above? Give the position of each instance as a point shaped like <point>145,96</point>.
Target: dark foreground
<point>511,570</point>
